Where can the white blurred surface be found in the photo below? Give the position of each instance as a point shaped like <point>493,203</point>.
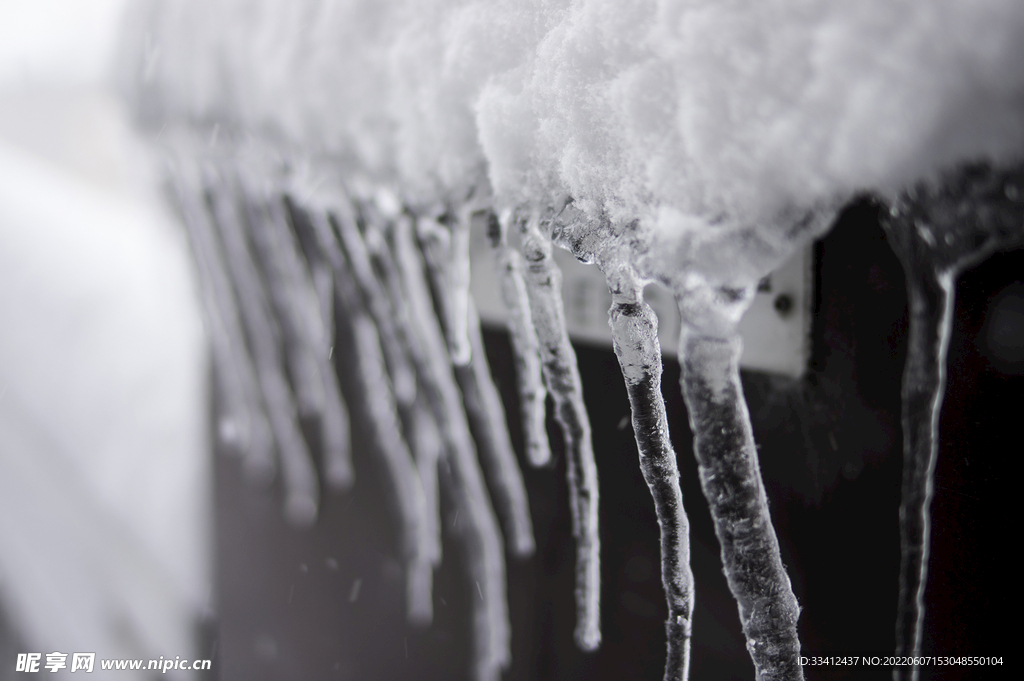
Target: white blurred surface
<point>105,518</point>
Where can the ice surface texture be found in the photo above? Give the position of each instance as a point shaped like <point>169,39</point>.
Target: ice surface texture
<point>695,144</point>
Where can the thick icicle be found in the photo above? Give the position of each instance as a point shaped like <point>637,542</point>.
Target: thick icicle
<point>525,347</point>
<point>381,415</point>
<point>937,235</point>
<point>635,337</point>
<point>544,283</point>
<point>297,469</point>
<point>460,474</point>
<point>723,442</point>
<point>234,365</point>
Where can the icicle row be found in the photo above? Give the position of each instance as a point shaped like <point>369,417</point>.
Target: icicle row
<point>418,425</point>
<point>337,457</point>
<point>483,406</point>
<point>425,433</point>
<point>635,338</point>
<point>298,473</point>
<point>231,356</point>
<point>525,347</point>
<point>305,321</point>
<point>460,474</point>
<point>544,283</point>
<point>731,481</point>
<point>381,415</point>
<point>403,379</point>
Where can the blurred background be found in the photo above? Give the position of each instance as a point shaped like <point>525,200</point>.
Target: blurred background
<point>123,533</point>
<point>105,473</point>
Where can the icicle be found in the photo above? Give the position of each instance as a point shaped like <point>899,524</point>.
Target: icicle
<point>532,393</point>
<point>635,337</point>
<point>544,282</point>
<point>298,472</point>
<point>445,244</point>
<point>937,235</point>
<point>487,420</point>
<point>380,413</point>
<point>460,475</point>
<point>723,442</point>
<point>234,364</point>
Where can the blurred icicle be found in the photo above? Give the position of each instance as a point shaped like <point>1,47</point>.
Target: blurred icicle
<point>937,233</point>
<point>377,304</point>
<point>487,420</point>
<point>544,283</point>
<point>238,380</point>
<point>635,337</point>
<point>422,421</point>
<point>418,426</point>
<point>482,403</point>
<point>298,473</point>
<point>379,411</point>
<point>460,474</point>
<point>445,244</point>
<point>525,347</point>
<point>723,442</point>
<point>291,308</point>
<point>300,309</point>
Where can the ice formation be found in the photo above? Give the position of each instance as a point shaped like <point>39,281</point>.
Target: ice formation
<point>691,143</point>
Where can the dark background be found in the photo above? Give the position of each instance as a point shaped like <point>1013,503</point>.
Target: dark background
<point>830,450</point>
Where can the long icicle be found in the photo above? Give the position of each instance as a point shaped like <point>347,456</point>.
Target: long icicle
<point>234,364</point>
<point>482,403</point>
<point>544,283</point>
<point>937,234</point>
<point>635,338</point>
<point>525,347</point>
<point>461,475</point>
<point>487,419</point>
<point>297,469</point>
<point>723,442</point>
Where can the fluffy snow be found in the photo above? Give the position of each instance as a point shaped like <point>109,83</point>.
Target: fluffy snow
<point>683,115</point>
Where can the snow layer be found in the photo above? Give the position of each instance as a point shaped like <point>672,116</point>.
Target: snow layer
<point>685,115</point>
